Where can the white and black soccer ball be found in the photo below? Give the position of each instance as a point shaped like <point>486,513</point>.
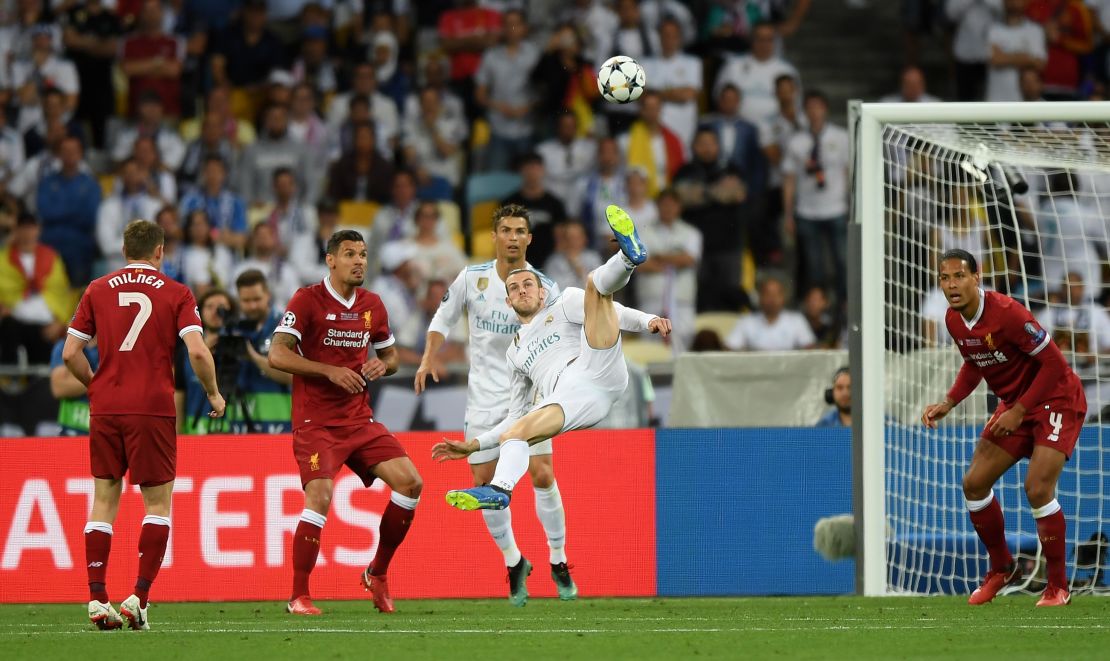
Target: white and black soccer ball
<point>621,79</point>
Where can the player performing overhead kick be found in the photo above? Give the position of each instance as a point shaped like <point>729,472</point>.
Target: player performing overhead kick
<point>1040,415</point>
<point>480,291</point>
<point>570,353</point>
<point>136,315</point>
<point>323,341</point>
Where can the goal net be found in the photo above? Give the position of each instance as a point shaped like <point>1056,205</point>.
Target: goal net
<point>1027,193</point>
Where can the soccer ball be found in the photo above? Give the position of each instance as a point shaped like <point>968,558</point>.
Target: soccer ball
<point>621,79</point>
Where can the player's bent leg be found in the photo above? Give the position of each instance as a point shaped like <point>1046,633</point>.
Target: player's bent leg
<point>1045,467</point>
<point>405,481</point>
<point>988,464</point>
<point>306,543</point>
<point>600,322</point>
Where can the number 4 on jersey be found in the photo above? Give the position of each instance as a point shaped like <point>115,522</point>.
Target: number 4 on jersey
<point>128,298</point>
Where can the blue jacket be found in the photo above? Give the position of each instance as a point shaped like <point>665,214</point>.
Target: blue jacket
<point>67,209</point>
<point>746,153</point>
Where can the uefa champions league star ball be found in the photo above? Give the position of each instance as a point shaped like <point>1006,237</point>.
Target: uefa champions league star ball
<point>621,79</point>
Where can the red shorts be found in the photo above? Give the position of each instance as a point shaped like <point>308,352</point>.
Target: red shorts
<point>144,445</point>
<point>1054,424</point>
<point>322,451</point>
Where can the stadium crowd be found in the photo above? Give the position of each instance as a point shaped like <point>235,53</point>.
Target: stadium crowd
<point>250,130</point>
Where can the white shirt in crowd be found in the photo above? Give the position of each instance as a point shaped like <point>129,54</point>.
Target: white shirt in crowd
<point>1086,317</point>
<point>204,267</point>
<point>1004,83</point>
<point>754,332</point>
<point>479,291</point>
<point>566,165</point>
<point>113,216</point>
<point>170,146</point>
<point>973,19</point>
<point>815,202</point>
<point>934,306</point>
<point>1069,232</point>
<point>451,129</point>
<point>387,121</point>
<point>672,293</point>
<point>676,71</point>
<point>60,72</point>
<point>406,319</point>
<point>756,82</point>
<point>281,277</point>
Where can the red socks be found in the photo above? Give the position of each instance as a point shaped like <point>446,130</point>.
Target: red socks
<point>306,547</point>
<point>986,516</point>
<point>152,548</point>
<point>98,544</point>
<point>1051,528</point>
<point>395,525</point>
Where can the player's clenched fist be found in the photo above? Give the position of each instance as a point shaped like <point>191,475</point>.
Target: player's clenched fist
<point>346,379</point>
<point>934,412</point>
<point>216,400</point>
<point>660,326</point>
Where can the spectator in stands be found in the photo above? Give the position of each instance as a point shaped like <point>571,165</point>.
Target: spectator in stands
<point>573,259</point>
<point>393,80</point>
<point>911,89</point>
<point>217,104</point>
<point>667,283</point>
<point>436,76</point>
<point>173,252</point>
<point>772,328</point>
<point>567,159</point>
<point>742,145</point>
<point>382,109</point>
<point>226,211</point>
<point>32,120</point>
<point>1073,311</point>
<point>786,123</point>
<point>291,215</point>
<point>264,253</point>
<point>25,183</point>
<point>35,299</point>
<point>212,143</point>
<point>465,33</point>
<point>656,12</point>
<point>206,263</point>
<point>970,48</point>
<point>394,221</point>
<point>400,285</point>
<point>162,182</point>
<point>544,209</point>
<point>437,256</point>
<point>307,251</point>
<point>259,319</point>
<point>596,24</point>
<point>712,196</point>
<point>504,90</point>
<point>819,315</point>
<point>567,83</point>
<point>361,173</point>
<point>67,201</point>
<point>839,396</point>
<point>1032,86</point>
<point>815,196</point>
<point>1070,37</point>
<point>12,154</point>
<point>279,88</point>
<point>755,74</point>
<point>91,32</point>
<point>434,141</point>
<point>42,70</point>
<point>152,61</point>
<point>274,149</point>
<point>652,145</point>
<point>600,186</point>
<point>1071,233</point>
<point>150,123</point>
<point>130,202</point>
<point>73,402</point>
<point>306,128</point>
<point>636,40</point>
<point>1016,43</point>
<point>313,67</point>
<point>678,79</point>
<point>637,203</point>
<point>245,52</point>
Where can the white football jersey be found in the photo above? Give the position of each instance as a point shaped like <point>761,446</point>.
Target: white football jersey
<point>543,347</point>
<point>480,291</point>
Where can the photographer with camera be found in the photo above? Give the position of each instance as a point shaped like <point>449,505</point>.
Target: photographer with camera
<point>264,390</point>
<point>215,305</point>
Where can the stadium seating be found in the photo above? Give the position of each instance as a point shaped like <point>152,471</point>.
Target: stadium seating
<point>359,214</point>
<point>645,352</point>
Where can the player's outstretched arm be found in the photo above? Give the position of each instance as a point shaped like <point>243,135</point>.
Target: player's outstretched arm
<point>638,321</point>
<point>73,355</point>
<point>205,368</point>
<point>429,366</point>
<point>284,357</point>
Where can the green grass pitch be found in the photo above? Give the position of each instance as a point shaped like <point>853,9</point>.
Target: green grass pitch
<point>595,629</point>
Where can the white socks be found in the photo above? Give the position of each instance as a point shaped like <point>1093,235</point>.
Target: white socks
<point>549,508</point>
<point>613,275</point>
<point>314,518</point>
<point>979,505</point>
<point>1048,509</point>
<point>512,464</point>
<point>403,501</point>
<point>500,525</point>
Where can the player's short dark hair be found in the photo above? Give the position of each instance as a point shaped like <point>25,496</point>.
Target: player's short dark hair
<point>140,238</point>
<point>339,237</point>
<point>511,211</point>
<point>250,278</point>
<point>534,275</point>
<point>960,254</point>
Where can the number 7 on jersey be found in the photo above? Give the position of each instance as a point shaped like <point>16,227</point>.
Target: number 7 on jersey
<point>126,299</point>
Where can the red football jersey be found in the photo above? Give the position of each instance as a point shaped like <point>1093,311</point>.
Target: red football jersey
<point>1000,341</point>
<point>338,332</point>
<point>136,314</point>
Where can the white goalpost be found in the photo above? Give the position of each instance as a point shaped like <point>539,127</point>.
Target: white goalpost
<point>1025,187</point>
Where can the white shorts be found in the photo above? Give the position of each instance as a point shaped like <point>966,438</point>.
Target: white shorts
<point>479,422</point>
<point>589,386</point>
